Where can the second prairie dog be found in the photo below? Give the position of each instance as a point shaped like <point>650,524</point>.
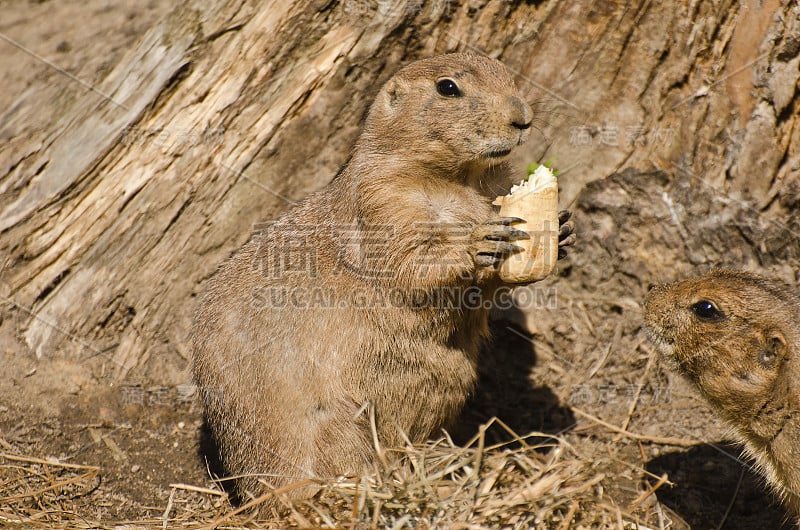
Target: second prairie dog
<point>334,315</point>
<point>736,336</point>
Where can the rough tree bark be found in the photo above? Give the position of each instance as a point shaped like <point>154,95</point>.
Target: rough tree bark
<point>120,202</point>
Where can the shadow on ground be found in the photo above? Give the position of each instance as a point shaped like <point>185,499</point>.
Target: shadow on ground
<point>208,454</point>
<point>505,390</point>
<point>706,478</point>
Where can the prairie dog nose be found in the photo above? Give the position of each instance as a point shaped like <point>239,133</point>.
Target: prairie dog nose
<point>521,114</point>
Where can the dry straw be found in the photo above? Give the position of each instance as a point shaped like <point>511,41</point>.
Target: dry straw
<point>533,481</point>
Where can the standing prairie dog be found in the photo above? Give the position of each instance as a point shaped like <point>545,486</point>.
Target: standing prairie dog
<point>342,311</point>
<point>736,336</point>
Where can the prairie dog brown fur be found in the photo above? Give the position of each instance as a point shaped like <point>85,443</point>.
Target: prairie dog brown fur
<point>736,336</point>
<point>337,308</point>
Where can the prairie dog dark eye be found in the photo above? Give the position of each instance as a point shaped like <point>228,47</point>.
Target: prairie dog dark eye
<point>448,88</point>
<point>706,310</point>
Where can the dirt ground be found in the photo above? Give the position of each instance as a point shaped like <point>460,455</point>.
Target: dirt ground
<point>575,362</point>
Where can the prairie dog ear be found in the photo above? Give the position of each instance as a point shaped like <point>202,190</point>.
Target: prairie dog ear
<point>393,94</point>
<point>775,349</point>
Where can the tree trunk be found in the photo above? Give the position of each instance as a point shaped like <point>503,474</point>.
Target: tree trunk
<point>119,205</point>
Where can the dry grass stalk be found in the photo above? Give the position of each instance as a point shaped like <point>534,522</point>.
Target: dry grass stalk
<point>678,442</point>
<point>537,481</point>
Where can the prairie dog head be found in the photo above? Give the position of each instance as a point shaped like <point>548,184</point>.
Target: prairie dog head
<point>449,111</point>
<point>734,335</point>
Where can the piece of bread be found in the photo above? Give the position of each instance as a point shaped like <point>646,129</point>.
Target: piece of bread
<point>535,200</point>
